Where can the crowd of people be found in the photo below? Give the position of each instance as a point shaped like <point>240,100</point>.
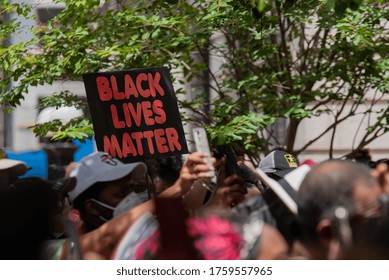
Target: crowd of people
<point>169,208</point>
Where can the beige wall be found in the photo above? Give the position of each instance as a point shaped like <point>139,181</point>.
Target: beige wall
<point>26,114</point>
<point>348,135</point>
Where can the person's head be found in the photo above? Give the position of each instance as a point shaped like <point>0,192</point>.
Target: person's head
<point>60,188</point>
<point>164,170</point>
<point>374,164</point>
<point>106,187</point>
<point>28,205</point>
<point>280,196</point>
<point>10,170</point>
<point>333,200</point>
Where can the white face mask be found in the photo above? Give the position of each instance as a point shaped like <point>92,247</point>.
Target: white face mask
<point>143,196</point>
<point>130,201</point>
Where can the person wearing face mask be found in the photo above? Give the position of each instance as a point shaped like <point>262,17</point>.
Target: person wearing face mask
<point>106,188</point>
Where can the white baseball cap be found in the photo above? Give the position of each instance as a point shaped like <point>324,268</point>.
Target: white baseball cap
<point>102,167</point>
<point>287,187</point>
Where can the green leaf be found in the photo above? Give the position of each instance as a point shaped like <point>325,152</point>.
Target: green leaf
<point>260,68</point>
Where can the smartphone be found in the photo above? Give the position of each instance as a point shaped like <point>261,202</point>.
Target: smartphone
<point>201,143</point>
<point>232,166</point>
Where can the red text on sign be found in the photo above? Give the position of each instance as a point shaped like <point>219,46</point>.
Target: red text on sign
<point>158,140</point>
<point>145,85</point>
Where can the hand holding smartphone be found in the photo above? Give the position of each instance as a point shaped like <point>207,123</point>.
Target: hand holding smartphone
<point>232,166</point>
<point>201,143</point>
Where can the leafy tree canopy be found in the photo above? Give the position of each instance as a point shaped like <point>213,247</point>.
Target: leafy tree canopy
<point>280,59</point>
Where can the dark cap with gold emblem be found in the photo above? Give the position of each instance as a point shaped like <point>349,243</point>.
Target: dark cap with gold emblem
<point>278,163</point>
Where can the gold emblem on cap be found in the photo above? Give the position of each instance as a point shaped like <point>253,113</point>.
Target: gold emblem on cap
<point>291,160</point>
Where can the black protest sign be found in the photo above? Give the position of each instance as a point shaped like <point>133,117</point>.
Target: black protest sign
<point>135,113</point>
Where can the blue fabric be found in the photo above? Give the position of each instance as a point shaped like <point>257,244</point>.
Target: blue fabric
<point>36,160</point>
<point>84,149</point>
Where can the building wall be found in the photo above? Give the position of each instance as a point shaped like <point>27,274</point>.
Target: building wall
<point>21,138</point>
<point>26,114</point>
<point>348,135</point>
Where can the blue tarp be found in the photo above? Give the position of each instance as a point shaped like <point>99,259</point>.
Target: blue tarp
<point>84,149</point>
<point>38,162</point>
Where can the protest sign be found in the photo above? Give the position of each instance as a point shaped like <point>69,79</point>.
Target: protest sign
<point>135,113</point>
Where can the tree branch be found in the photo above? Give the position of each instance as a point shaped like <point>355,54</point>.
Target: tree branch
<point>322,134</point>
<point>284,48</point>
<point>220,92</point>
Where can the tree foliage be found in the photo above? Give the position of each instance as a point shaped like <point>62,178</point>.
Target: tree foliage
<point>280,59</point>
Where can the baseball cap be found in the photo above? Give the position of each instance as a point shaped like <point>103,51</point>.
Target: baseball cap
<point>102,167</point>
<point>278,162</point>
<point>64,185</point>
<point>287,187</point>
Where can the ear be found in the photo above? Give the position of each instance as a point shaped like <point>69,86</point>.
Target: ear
<point>326,233</point>
<point>91,207</point>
